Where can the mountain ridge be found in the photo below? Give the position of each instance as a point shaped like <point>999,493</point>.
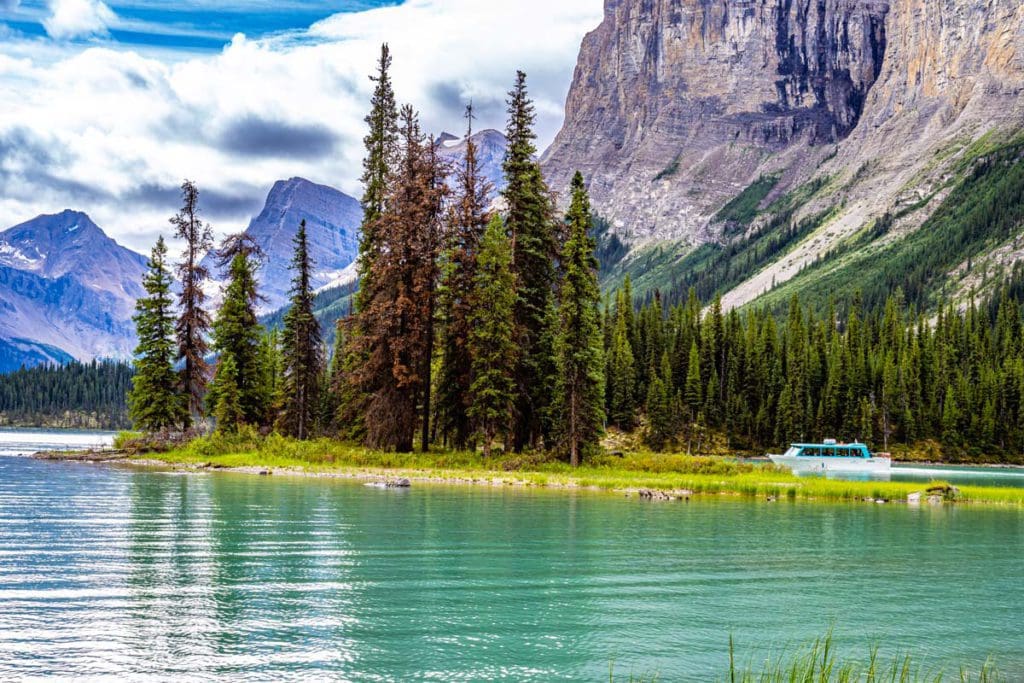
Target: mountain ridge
<point>679,109</point>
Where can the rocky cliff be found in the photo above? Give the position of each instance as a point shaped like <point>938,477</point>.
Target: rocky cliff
<point>678,106</point>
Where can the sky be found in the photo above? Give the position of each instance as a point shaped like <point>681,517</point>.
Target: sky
<point>106,106</point>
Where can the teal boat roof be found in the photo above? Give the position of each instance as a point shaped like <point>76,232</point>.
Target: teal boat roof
<point>850,446</point>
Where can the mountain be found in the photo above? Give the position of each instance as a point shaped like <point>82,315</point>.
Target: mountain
<point>332,226</point>
<point>66,290</point>
<point>798,145</point>
<point>490,154</point>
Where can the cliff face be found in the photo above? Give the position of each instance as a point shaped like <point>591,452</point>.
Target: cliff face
<point>676,106</point>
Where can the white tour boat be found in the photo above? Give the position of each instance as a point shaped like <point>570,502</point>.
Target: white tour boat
<point>832,457</point>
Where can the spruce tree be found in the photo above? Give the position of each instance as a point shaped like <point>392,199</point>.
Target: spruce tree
<point>659,415</point>
<point>468,220</point>
<point>227,409</point>
<point>194,322</point>
<point>381,142</point>
<point>622,377</point>
<point>154,402</point>
<point>301,349</point>
<point>237,334</point>
<point>394,320</point>
<point>535,248</point>
<point>491,342</point>
<point>379,165</point>
<point>580,364</point>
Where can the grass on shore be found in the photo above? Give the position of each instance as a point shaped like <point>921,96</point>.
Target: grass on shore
<point>701,475</point>
<point>820,663</point>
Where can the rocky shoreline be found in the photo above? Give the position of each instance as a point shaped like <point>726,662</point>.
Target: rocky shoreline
<point>405,478</point>
<point>372,478</point>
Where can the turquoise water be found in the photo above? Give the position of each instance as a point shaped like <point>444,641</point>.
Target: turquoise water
<point>118,573</point>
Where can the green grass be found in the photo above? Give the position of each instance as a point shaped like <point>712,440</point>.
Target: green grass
<point>701,475</point>
<point>820,663</point>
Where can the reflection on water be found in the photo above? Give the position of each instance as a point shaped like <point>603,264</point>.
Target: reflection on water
<point>141,574</point>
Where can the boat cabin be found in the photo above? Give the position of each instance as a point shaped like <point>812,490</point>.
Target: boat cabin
<point>829,449</point>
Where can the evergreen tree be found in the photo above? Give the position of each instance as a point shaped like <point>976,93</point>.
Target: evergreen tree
<point>270,364</point>
<point>154,402</point>
<point>382,144</point>
<point>531,226</point>
<point>468,220</point>
<point>379,165</point>
<point>237,334</point>
<point>491,341</point>
<point>227,409</point>
<point>622,377</point>
<point>580,363</point>
<point>661,422</point>
<point>395,317</point>
<point>301,346</point>
<point>693,390</point>
<point>194,322</point>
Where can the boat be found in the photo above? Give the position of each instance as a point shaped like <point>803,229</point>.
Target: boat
<point>831,456</point>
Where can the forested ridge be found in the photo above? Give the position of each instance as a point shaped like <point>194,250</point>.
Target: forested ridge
<point>84,395</point>
<point>949,385</point>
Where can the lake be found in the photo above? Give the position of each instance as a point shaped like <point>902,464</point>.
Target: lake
<point>112,572</point>
<point>29,441</point>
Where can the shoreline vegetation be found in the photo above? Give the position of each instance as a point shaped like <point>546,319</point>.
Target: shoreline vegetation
<point>652,476</point>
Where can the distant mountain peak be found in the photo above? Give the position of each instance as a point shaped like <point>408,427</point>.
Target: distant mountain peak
<point>332,223</point>
<point>490,153</point>
<point>64,283</point>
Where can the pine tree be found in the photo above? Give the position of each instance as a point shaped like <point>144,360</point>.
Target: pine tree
<point>270,363</point>
<point>660,430</point>
<point>301,347</point>
<point>580,363</point>
<point>381,144</point>
<point>531,226</point>
<point>693,390</point>
<point>622,377</point>
<point>194,322</point>
<point>394,319</point>
<point>228,406</point>
<point>491,342</point>
<point>468,220</point>
<point>379,165</point>
<point>154,402</point>
<point>236,334</point>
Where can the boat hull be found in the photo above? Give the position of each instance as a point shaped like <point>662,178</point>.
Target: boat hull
<point>803,463</point>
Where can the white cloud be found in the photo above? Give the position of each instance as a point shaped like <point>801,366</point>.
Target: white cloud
<point>114,131</point>
<point>78,19</point>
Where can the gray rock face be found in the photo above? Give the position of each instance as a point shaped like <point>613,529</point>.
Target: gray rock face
<point>676,106</point>
<point>332,228</point>
<point>65,284</point>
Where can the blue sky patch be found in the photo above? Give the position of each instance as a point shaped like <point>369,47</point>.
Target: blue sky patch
<point>193,25</point>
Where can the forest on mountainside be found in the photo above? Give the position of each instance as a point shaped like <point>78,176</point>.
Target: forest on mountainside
<point>74,395</point>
